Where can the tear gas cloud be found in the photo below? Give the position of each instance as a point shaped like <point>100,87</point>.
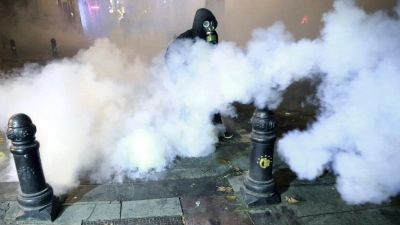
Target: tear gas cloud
<point>32,31</point>
<point>357,131</point>
<point>114,116</point>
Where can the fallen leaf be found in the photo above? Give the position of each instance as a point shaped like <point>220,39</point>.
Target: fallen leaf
<point>224,160</point>
<point>242,172</point>
<point>291,200</point>
<point>225,189</point>
<point>222,188</point>
<point>230,198</point>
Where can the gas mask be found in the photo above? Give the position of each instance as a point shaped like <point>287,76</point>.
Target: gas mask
<point>210,31</point>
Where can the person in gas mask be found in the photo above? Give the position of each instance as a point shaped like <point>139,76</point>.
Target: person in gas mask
<point>204,25</point>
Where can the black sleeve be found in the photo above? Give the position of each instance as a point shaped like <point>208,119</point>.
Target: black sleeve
<point>185,35</point>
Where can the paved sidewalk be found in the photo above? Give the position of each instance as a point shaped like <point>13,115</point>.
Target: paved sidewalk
<point>207,191</point>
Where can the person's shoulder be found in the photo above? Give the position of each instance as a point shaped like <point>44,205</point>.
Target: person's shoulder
<point>182,37</point>
<point>178,42</point>
<point>185,35</point>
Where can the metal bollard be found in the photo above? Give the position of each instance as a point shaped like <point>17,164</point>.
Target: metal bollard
<point>13,48</point>
<point>35,197</point>
<point>259,185</point>
<point>54,48</point>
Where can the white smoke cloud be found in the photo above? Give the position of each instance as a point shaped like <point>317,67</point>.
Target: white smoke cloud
<point>357,130</point>
<point>113,116</point>
<point>102,113</point>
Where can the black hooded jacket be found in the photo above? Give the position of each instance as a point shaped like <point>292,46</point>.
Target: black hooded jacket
<point>197,30</point>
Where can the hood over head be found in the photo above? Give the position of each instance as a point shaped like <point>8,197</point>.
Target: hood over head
<point>201,16</point>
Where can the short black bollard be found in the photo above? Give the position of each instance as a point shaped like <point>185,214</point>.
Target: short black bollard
<point>54,48</point>
<point>259,185</point>
<point>13,48</point>
<point>35,197</point>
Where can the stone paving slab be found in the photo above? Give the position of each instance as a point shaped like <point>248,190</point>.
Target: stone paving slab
<point>75,213</point>
<point>5,158</point>
<point>93,202</point>
<point>151,208</point>
<point>77,193</point>
<point>236,182</point>
<point>288,214</point>
<point>146,190</point>
<point>383,216</point>
<point>274,215</point>
<point>10,210</point>
<point>214,210</point>
<point>105,192</point>
<point>166,220</point>
<point>194,173</point>
<point>106,212</point>
<point>4,206</point>
<point>8,191</point>
<point>322,198</point>
<point>270,216</point>
<point>179,188</point>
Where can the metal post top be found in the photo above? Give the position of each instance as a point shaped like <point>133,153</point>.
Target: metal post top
<point>263,123</point>
<point>263,113</point>
<point>19,120</point>
<point>21,130</point>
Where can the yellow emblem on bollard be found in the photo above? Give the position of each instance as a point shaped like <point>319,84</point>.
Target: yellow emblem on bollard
<point>264,161</point>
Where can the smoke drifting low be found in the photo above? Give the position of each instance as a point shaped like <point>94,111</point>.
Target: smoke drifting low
<point>357,131</point>
<point>104,113</point>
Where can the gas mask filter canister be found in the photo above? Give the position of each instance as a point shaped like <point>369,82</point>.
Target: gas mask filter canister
<point>210,31</point>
